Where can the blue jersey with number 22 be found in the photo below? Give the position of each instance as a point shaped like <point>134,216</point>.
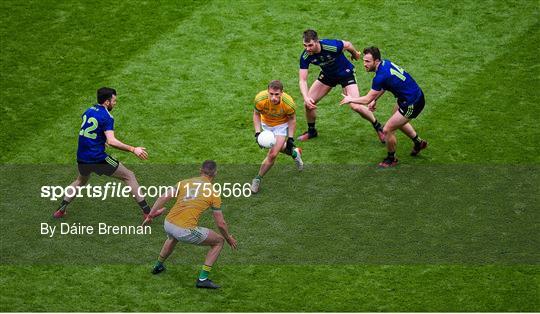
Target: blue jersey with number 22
<point>392,78</point>
<point>96,120</point>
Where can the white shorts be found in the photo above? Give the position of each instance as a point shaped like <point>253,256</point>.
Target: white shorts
<point>192,236</point>
<point>278,130</point>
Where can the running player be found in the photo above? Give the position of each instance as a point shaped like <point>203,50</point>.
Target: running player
<point>97,130</point>
<point>335,69</point>
<point>410,101</point>
<point>275,111</point>
<point>194,196</point>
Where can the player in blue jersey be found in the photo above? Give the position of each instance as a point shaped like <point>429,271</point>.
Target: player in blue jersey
<point>97,130</point>
<point>335,69</point>
<point>410,101</point>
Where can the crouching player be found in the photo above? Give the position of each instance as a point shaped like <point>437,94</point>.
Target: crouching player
<point>410,102</point>
<point>275,111</point>
<point>194,196</point>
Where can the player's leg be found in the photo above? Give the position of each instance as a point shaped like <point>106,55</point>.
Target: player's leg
<point>81,180</point>
<point>166,251</point>
<point>268,162</point>
<point>418,143</point>
<point>316,92</point>
<point>293,151</point>
<point>396,121</point>
<point>216,242</point>
<point>296,154</point>
<point>412,112</point>
<point>352,90</point>
<point>129,179</point>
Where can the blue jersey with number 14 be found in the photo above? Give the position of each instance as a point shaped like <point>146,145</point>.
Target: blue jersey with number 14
<point>392,78</point>
<point>96,120</point>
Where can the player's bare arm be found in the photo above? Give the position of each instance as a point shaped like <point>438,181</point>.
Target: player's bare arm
<point>347,45</point>
<point>159,205</point>
<point>223,228</point>
<point>371,96</point>
<point>291,124</point>
<point>257,121</point>
<point>140,152</point>
<point>304,89</point>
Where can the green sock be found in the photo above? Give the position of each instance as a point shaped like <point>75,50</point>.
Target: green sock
<point>205,271</point>
<point>294,154</point>
<point>258,177</point>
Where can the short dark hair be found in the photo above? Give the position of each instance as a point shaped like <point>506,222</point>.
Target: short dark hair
<point>310,35</point>
<point>104,94</point>
<point>275,84</point>
<point>374,51</point>
<point>209,168</point>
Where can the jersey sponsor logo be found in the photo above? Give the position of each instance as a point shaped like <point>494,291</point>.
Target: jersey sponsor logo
<point>329,48</point>
<point>327,62</point>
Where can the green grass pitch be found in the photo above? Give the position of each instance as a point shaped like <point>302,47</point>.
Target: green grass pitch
<point>455,229</point>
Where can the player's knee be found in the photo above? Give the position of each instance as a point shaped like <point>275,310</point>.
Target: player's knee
<point>220,241</point>
<point>128,175</point>
<point>387,130</point>
<point>309,108</point>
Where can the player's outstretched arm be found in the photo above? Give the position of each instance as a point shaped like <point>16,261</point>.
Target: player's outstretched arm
<point>140,152</point>
<point>223,229</point>
<point>159,205</point>
<point>371,96</point>
<point>347,45</point>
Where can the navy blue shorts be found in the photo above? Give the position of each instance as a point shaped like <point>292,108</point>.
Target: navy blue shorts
<point>411,111</point>
<point>105,167</point>
<point>333,81</point>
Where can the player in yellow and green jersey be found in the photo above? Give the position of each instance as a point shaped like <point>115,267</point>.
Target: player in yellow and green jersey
<point>193,197</point>
<point>275,111</point>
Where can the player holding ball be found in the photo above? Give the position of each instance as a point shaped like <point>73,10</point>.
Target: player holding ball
<point>275,111</point>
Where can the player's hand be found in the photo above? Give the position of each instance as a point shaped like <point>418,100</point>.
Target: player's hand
<point>257,139</point>
<point>232,242</point>
<point>158,212</point>
<point>147,220</point>
<point>140,152</point>
<point>372,106</point>
<point>309,103</point>
<point>290,144</point>
<point>346,99</point>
